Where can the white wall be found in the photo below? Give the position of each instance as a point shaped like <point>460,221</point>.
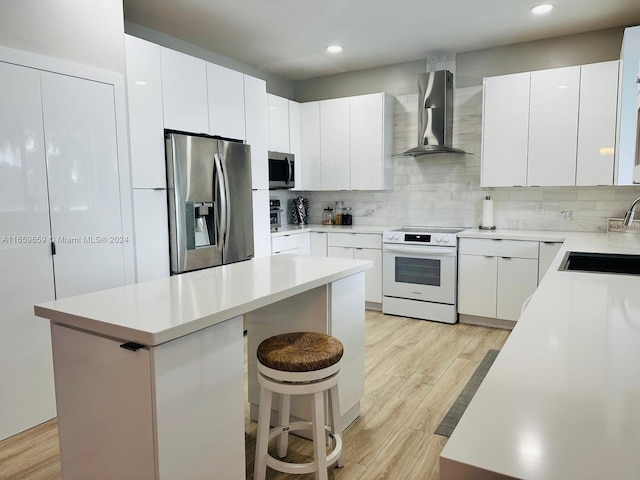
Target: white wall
<point>89,32</point>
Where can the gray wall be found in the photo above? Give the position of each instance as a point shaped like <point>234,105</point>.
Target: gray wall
<point>275,84</point>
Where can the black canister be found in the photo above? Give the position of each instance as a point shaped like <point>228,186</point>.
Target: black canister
<point>347,219</point>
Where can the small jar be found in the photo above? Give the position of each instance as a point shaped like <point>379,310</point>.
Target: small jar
<point>338,213</point>
<point>327,216</point>
<point>347,218</point>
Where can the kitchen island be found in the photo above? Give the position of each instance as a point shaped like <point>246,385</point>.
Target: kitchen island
<point>561,400</point>
<point>149,377</point>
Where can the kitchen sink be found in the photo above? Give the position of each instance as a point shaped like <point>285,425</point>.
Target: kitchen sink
<point>601,263</point>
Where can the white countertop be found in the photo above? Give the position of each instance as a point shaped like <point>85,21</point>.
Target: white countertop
<point>292,229</point>
<point>161,310</point>
<point>562,400</point>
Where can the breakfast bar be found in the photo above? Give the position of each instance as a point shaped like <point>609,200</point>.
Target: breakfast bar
<point>149,377</point>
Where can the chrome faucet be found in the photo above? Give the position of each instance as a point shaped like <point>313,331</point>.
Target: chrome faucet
<point>628,217</point>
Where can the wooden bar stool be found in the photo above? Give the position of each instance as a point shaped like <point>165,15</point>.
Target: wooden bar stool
<point>301,363</point>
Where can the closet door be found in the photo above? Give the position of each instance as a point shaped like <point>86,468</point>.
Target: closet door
<point>26,276</point>
<point>84,189</point>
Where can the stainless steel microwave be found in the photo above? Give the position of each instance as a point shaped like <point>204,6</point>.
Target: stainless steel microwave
<point>281,170</point>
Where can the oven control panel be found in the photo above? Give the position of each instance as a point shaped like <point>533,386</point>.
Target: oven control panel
<point>444,239</point>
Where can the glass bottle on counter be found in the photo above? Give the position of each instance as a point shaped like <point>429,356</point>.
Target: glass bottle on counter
<point>338,213</point>
<point>347,218</point>
<point>327,216</point>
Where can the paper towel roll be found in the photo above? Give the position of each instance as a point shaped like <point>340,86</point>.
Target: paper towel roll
<point>487,213</point>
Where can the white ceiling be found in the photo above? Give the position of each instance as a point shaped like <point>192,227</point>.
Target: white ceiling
<point>288,37</point>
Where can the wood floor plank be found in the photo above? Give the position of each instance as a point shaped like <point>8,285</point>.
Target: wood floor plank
<point>414,371</point>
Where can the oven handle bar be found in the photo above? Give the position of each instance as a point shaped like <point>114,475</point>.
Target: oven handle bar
<point>437,251</point>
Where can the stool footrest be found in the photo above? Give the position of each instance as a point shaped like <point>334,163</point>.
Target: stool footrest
<point>309,467</point>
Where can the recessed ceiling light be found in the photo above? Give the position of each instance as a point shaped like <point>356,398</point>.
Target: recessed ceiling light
<point>142,83</point>
<point>542,8</point>
<point>334,49</point>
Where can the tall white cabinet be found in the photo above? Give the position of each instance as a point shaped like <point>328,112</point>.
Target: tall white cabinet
<point>62,224</point>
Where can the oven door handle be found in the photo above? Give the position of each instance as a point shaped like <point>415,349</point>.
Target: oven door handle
<point>433,251</point>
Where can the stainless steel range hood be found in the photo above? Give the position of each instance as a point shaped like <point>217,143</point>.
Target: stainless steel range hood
<point>435,114</point>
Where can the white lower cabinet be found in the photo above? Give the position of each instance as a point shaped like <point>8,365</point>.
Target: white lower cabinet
<point>361,246</point>
<point>318,244</point>
<point>295,243</point>
<point>548,251</point>
<point>496,276</point>
<point>261,226</point>
<point>147,416</point>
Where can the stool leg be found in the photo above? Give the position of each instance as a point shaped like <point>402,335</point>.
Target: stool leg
<point>262,437</point>
<point>336,419</point>
<point>283,440</point>
<point>319,447</point>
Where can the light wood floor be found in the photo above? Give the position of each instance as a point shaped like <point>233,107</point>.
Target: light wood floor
<point>414,371</point>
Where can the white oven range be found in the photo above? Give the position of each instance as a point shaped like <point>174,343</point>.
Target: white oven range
<point>419,266</point>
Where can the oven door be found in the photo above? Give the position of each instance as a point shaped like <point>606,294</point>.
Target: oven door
<point>420,273</point>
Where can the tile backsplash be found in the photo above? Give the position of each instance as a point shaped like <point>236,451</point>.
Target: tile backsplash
<point>445,190</point>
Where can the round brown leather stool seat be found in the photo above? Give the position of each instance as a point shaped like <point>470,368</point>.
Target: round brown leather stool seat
<point>300,351</point>
<point>299,363</point>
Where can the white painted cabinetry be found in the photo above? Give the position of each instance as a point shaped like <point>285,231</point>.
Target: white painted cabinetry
<point>184,92</point>
<point>295,243</point>
<point>310,146</point>
<point>496,276</point>
<point>152,234</point>
<point>548,251</point>
<point>597,123</point>
<point>371,141</point>
<point>334,144</point>
<point>505,130</point>
<point>261,226</point>
<point>318,244</point>
<point>278,124</point>
<point>225,94</point>
<point>553,127</point>
<point>294,141</point>
<point>257,127</point>
<point>361,246</point>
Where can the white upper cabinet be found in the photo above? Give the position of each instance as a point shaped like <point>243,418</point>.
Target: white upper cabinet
<point>144,95</point>
<point>184,92</point>
<point>310,146</point>
<point>225,89</point>
<point>294,141</point>
<point>597,123</point>
<point>627,172</point>
<point>505,130</point>
<point>371,127</point>
<point>256,107</point>
<point>278,124</point>
<point>553,126</point>
<point>334,144</point>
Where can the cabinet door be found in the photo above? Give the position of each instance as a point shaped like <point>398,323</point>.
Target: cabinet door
<point>517,279</point>
<point>84,186</point>
<point>553,127</point>
<point>184,92</point>
<point>477,285</point>
<point>505,130</point>
<point>548,251</point>
<point>257,125</point>
<point>261,226</point>
<point>111,422</point>
<point>366,145</point>
<point>294,140</point>
<point>278,124</point>
<point>152,234</point>
<point>309,164</point>
<point>373,276</point>
<point>334,144</point>
<point>597,123</point>
<point>318,244</point>
<point>225,92</point>
<point>340,252</point>
<point>26,276</point>
<point>144,95</point>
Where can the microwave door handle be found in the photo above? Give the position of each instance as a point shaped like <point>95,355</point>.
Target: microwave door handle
<point>289,170</point>
<point>222,188</point>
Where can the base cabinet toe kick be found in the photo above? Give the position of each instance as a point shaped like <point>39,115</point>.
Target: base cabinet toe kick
<point>176,410</point>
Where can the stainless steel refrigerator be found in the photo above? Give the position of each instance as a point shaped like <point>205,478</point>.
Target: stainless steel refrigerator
<point>210,202</point>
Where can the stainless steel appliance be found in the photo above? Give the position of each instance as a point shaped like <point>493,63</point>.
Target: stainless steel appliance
<point>275,213</point>
<point>281,170</point>
<point>419,266</point>
<point>210,202</point>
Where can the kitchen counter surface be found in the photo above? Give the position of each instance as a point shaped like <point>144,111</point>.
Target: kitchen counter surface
<point>561,400</point>
<point>292,229</point>
<point>157,311</point>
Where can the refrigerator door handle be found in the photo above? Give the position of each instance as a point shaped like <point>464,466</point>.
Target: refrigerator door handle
<point>223,183</point>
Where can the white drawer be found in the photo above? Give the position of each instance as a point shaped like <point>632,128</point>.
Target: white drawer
<point>356,240</point>
<point>498,248</point>
<point>288,242</point>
